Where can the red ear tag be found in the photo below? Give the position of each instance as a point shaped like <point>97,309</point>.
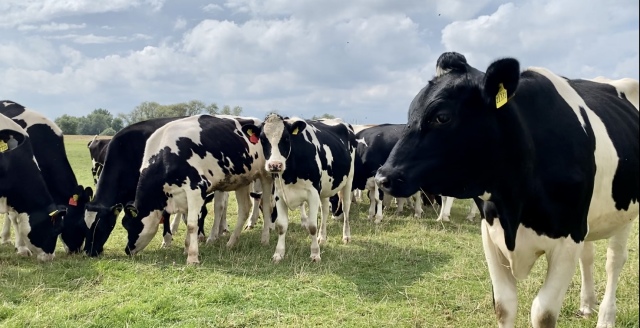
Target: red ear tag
<point>73,201</point>
<point>253,139</point>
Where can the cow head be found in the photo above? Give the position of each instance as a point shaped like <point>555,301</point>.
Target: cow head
<point>141,226</point>
<point>75,229</point>
<point>99,221</point>
<point>44,228</point>
<point>276,135</point>
<point>452,138</point>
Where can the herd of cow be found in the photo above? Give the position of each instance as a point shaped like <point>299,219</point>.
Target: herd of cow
<point>553,164</point>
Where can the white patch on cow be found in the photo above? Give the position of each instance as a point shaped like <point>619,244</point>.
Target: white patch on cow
<point>362,141</point>
<point>629,87</point>
<point>565,90</point>
<point>23,243</point>
<point>273,129</point>
<point>486,196</point>
<point>32,118</point>
<point>90,218</point>
<point>329,155</point>
<point>331,121</point>
<point>359,127</point>
<point>150,225</point>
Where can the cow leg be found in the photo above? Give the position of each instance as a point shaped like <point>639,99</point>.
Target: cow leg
<point>6,231</point>
<point>417,205</point>
<point>312,223</point>
<point>256,192</point>
<point>203,214</point>
<point>175,223</point>
<point>282,223</point>
<point>617,254</point>
<point>473,211</point>
<point>445,211</point>
<point>218,208</point>
<point>587,289</point>
<point>400,201</point>
<point>267,185</point>
<point>372,202</point>
<point>345,196</point>
<point>244,205</point>
<point>505,298</point>
<point>167,237</point>
<point>195,201</point>
<point>224,226</point>
<point>304,219</point>
<point>561,265</point>
<point>379,194</point>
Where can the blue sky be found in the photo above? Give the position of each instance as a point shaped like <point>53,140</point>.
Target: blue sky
<point>362,60</point>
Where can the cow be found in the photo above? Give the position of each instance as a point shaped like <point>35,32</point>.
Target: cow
<point>24,196</point>
<point>47,143</point>
<point>555,159</point>
<point>185,160</point>
<point>445,210</point>
<point>121,173</point>
<point>311,160</point>
<point>98,152</point>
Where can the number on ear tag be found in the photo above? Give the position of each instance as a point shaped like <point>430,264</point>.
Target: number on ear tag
<point>501,97</point>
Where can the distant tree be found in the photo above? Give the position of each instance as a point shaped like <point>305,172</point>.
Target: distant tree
<point>68,124</point>
<point>227,110</point>
<point>212,109</point>
<point>108,132</point>
<point>117,124</point>
<point>195,107</point>
<point>96,122</point>
<point>325,115</point>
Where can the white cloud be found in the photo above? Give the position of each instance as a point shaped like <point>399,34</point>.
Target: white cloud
<point>51,27</point>
<point>212,7</point>
<point>99,39</point>
<point>180,23</point>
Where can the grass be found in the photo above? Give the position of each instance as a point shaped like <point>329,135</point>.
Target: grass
<point>404,272</point>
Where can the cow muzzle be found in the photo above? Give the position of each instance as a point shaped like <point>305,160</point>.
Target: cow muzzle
<point>275,166</point>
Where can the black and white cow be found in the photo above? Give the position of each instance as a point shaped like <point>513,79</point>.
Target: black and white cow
<point>121,173</point>
<point>556,160</point>
<point>183,162</point>
<point>48,147</point>
<point>24,196</point>
<point>98,152</point>
<point>312,160</point>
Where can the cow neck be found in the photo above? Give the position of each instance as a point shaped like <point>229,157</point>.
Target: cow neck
<point>279,178</point>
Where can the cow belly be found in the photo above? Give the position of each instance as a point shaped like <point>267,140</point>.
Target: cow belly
<point>605,225</point>
<point>294,194</point>
<point>529,246</point>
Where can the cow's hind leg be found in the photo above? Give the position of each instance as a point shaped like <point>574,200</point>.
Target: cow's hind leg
<point>561,265</point>
<point>505,299</point>
<point>312,222</point>
<point>244,205</point>
<point>6,231</point>
<point>324,204</point>
<point>617,254</point>
<point>167,236</point>
<point>218,209</point>
<point>195,201</point>
<point>445,211</point>
<point>345,197</point>
<point>175,223</point>
<point>587,289</point>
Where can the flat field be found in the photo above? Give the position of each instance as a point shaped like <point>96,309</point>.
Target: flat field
<point>404,272</point>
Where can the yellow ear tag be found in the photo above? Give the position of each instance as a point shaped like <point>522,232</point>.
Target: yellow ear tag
<point>53,213</point>
<point>295,131</point>
<point>249,132</point>
<point>501,97</point>
<point>3,146</point>
<point>134,214</point>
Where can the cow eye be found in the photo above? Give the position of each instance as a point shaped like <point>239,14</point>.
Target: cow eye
<point>442,118</point>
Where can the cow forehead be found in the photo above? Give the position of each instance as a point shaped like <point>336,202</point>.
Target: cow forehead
<point>449,87</point>
<point>273,129</point>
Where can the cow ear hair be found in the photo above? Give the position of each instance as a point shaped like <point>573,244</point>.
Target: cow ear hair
<point>297,126</point>
<point>116,209</point>
<point>131,210</point>
<point>502,75</point>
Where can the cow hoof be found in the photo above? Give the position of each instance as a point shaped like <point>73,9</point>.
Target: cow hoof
<point>46,257</point>
<point>249,227</point>
<point>231,243</point>
<point>584,313</point>
<point>264,241</point>
<point>443,219</point>
<point>315,258</point>
<point>417,215</point>
<point>322,240</point>
<point>202,238</point>
<point>276,258</point>
<point>6,242</point>
<point>166,241</point>
<point>23,251</point>
<point>470,218</point>
<point>192,260</point>
<point>210,240</point>
<point>346,239</point>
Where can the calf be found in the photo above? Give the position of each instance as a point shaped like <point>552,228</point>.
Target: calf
<point>98,153</point>
<point>24,196</point>
<point>312,161</point>
<point>558,169</point>
<point>184,161</point>
<point>48,148</point>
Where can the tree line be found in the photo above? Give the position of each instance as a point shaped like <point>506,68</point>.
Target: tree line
<point>101,121</point>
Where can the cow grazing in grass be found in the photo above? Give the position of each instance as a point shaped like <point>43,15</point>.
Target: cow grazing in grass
<point>183,162</point>
<point>556,160</point>
<point>24,196</point>
<point>312,161</point>
<point>48,148</point>
<point>98,152</point>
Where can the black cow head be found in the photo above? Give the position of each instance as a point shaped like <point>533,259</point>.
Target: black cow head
<point>452,135</point>
<point>45,226</point>
<point>99,221</point>
<point>74,231</point>
<point>275,134</point>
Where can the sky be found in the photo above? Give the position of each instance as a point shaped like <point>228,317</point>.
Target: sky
<point>361,60</point>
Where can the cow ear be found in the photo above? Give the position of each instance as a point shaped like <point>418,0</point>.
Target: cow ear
<point>89,193</point>
<point>252,132</point>
<point>131,210</point>
<point>116,209</point>
<point>297,127</point>
<point>501,81</point>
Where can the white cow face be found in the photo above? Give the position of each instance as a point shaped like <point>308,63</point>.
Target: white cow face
<point>276,137</point>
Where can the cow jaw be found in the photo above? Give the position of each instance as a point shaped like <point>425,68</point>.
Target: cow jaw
<point>150,225</point>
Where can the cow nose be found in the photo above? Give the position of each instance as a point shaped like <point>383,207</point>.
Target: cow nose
<point>275,166</point>
<point>383,181</point>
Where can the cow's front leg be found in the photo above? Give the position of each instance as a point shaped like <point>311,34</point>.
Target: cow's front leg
<point>20,243</point>
<point>6,231</point>
<point>244,205</point>
<point>312,223</point>
<point>587,289</point>
<point>282,223</point>
<point>267,208</point>
<point>195,201</point>
<point>445,211</point>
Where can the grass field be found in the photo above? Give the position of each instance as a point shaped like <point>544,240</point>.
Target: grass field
<point>404,272</point>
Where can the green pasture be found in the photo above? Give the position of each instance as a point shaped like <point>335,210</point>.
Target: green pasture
<point>404,272</point>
